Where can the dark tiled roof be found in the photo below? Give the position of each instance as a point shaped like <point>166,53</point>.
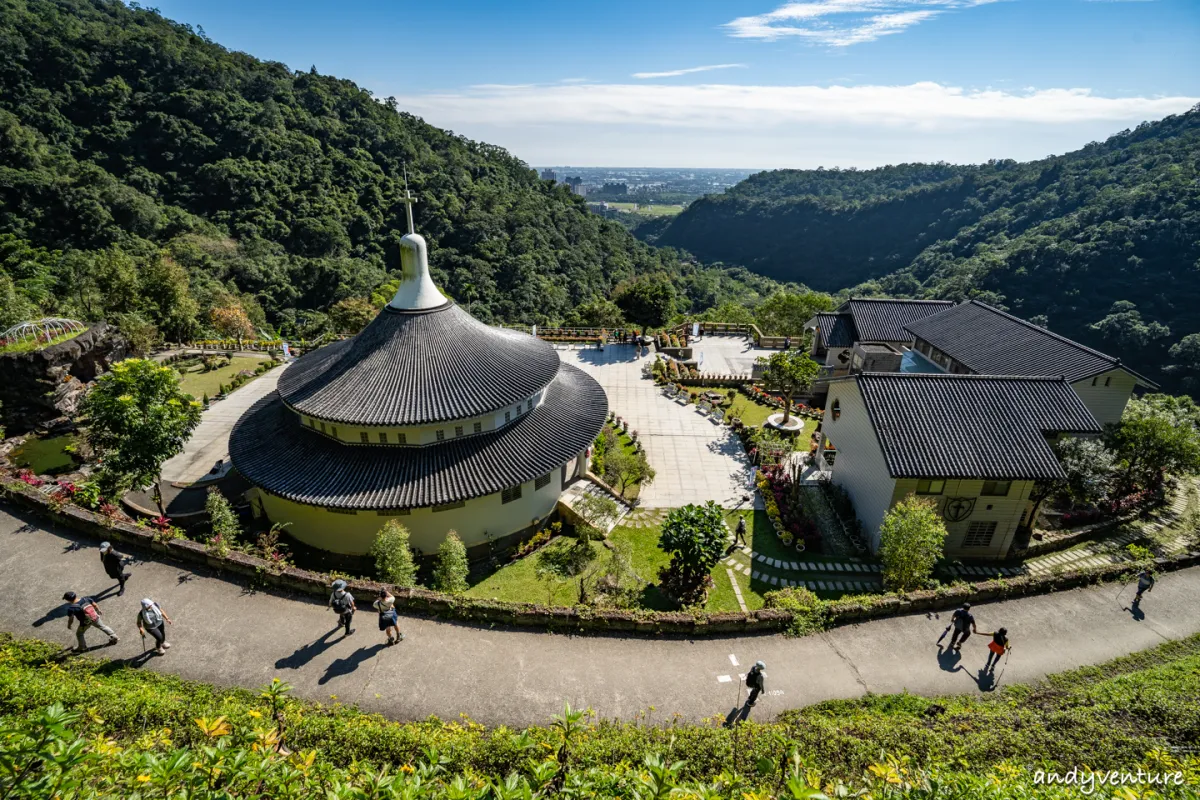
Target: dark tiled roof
<point>989,341</point>
<point>837,330</point>
<point>273,450</point>
<point>415,367</point>
<point>884,320</point>
<point>971,426</point>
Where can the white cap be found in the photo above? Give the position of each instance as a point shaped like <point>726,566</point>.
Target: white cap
<point>760,665</point>
<point>104,546</point>
<point>417,290</point>
<point>147,602</point>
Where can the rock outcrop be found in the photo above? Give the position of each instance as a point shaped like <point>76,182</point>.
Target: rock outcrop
<point>42,387</point>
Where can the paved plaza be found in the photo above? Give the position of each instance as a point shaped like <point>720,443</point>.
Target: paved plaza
<point>696,459</point>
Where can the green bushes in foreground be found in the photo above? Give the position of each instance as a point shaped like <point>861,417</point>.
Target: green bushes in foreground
<point>83,728</point>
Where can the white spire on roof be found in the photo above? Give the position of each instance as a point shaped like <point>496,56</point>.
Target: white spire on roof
<point>416,290</point>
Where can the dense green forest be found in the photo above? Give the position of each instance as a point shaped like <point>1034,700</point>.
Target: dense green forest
<point>152,176</point>
<point>1103,244</point>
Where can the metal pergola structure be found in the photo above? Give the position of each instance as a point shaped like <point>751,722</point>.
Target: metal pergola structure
<point>42,330</point>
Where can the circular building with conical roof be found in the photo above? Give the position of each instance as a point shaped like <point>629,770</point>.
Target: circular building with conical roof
<point>428,416</point>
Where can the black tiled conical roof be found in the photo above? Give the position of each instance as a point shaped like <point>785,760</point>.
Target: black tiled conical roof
<point>271,449</point>
<point>417,367</point>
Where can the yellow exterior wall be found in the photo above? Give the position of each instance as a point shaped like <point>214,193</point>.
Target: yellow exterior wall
<point>354,534</point>
<point>1006,512</point>
<point>1107,403</point>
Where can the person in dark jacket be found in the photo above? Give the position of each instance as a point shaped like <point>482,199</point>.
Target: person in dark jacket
<point>740,534</point>
<point>963,622</point>
<point>754,680</point>
<point>86,612</point>
<point>114,565</point>
<point>342,603</point>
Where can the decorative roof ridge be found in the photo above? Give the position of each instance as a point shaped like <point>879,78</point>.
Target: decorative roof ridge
<point>408,312</point>
<point>959,376</point>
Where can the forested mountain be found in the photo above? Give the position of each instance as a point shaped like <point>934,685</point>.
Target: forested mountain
<point>151,175</point>
<point>1102,243</point>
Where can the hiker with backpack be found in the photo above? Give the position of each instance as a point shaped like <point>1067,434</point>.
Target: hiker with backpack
<point>114,565</point>
<point>997,647</point>
<point>152,618</point>
<point>342,602</point>
<point>963,622</point>
<point>1146,582</point>
<point>389,620</point>
<point>740,533</point>
<point>86,612</point>
<point>755,682</point>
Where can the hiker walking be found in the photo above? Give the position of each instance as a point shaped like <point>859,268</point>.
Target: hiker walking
<point>389,620</point>
<point>997,647</point>
<point>963,622</point>
<point>740,535</point>
<point>86,612</point>
<point>152,618</point>
<point>1146,582</point>
<point>754,680</point>
<point>114,565</point>
<point>342,602</point>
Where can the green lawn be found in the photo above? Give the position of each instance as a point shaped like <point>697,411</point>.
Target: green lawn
<point>518,581</point>
<point>752,412</point>
<point>28,345</point>
<point>632,491</point>
<point>198,383</point>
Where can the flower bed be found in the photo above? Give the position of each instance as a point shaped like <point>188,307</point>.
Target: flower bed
<point>784,506</point>
<point>775,401</point>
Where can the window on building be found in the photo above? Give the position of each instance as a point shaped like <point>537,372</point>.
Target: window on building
<point>477,427</point>
<point>508,416</point>
<point>510,494</point>
<point>394,512</point>
<point>996,488</point>
<point>458,430</point>
<point>383,437</point>
<point>542,482</point>
<point>312,423</point>
<point>448,506</point>
<point>1108,381</point>
<point>931,486</point>
<point>836,409</point>
<point>529,404</point>
<point>364,437</point>
<point>441,434</point>
<point>979,534</point>
<point>402,438</point>
<point>349,511</point>
<point>333,432</point>
<point>520,411</point>
<point>1095,379</point>
<point>322,427</point>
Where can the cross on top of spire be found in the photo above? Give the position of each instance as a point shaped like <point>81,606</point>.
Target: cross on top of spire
<point>408,199</point>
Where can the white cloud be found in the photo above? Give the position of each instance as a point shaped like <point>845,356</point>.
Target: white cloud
<point>676,72</point>
<point>841,23</point>
<point>721,125</point>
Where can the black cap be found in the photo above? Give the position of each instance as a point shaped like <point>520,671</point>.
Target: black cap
<point>70,597</point>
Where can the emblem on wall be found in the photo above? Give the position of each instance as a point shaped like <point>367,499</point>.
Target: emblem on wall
<point>958,508</point>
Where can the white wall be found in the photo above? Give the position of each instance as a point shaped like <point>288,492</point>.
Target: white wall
<point>859,466</point>
<point>1106,403</point>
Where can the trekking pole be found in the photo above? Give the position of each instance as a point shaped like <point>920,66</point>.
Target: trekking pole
<point>1123,588</point>
<point>943,636</point>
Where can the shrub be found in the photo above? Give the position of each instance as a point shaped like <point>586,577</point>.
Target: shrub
<point>695,536</point>
<point>220,514</point>
<point>810,613</point>
<point>912,538</point>
<point>393,556</point>
<point>450,569</point>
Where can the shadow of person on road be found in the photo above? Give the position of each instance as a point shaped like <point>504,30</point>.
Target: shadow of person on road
<point>737,715</point>
<point>949,659</point>
<point>1135,611</point>
<point>106,593</point>
<point>985,680</point>
<point>58,612</point>
<point>306,653</point>
<point>344,666</point>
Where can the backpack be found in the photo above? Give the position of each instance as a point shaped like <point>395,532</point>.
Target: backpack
<point>90,612</point>
<point>341,604</point>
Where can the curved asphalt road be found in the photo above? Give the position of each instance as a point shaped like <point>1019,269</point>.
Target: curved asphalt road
<point>227,634</point>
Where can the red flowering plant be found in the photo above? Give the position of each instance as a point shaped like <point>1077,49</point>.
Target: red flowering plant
<point>27,477</point>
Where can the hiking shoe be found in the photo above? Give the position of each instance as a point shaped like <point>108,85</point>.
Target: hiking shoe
<point>399,638</point>
<point>113,640</point>
<point>166,645</point>
<point>160,651</point>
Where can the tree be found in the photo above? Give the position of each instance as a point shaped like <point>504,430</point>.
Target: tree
<point>647,300</point>
<point>784,313</point>
<point>599,313</point>
<point>789,371</point>
<point>1089,466</point>
<point>451,568</point>
<point>222,521</point>
<point>165,286</point>
<point>393,555</point>
<point>352,314</point>
<point>1185,355</point>
<point>137,418</point>
<point>624,468</point>
<point>912,538</point>
<point>231,322</point>
<point>1124,326</point>
<point>730,311</point>
<point>695,536</point>
<point>1158,435</point>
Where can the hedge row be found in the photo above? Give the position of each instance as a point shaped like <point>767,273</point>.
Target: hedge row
<point>580,618</point>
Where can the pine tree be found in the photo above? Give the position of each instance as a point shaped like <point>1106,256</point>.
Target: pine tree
<point>450,572</point>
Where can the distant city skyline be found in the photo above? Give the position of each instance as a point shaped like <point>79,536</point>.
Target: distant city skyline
<point>766,84</point>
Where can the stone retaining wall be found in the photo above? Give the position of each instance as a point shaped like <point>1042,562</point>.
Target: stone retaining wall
<point>426,602</point>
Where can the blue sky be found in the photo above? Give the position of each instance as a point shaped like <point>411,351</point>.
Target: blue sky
<point>745,84</point>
